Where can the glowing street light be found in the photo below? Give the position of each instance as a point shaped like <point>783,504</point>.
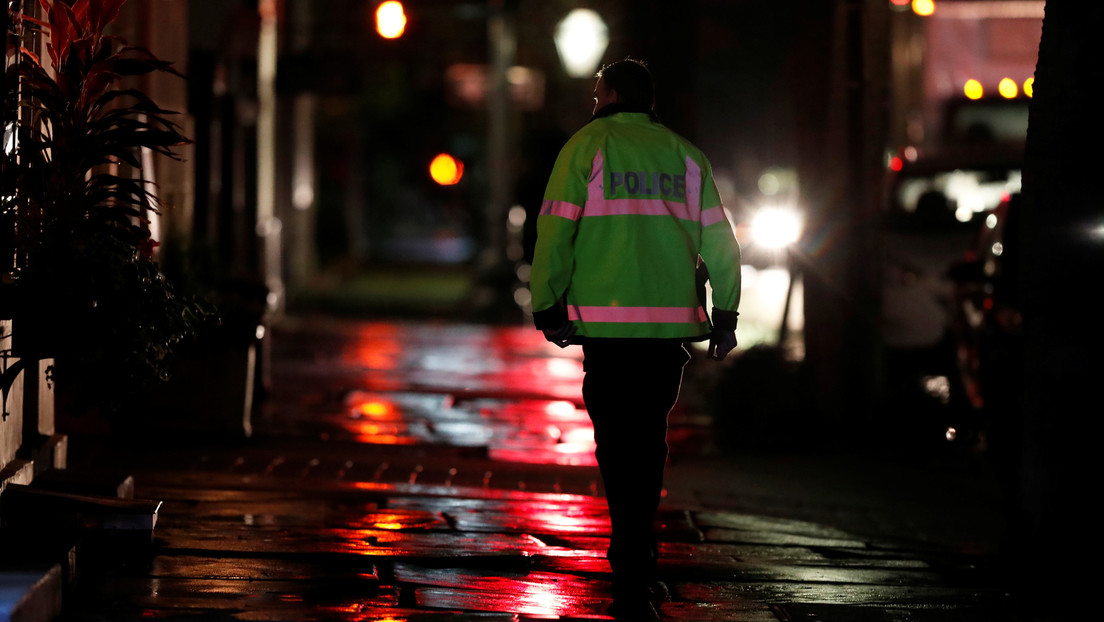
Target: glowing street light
<point>973,89</point>
<point>1008,88</point>
<point>923,8</point>
<point>776,227</point>
<point>390,20</point>
<point>581,40</point>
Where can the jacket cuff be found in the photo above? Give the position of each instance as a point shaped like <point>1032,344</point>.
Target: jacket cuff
<point>724,320</point>
<point>551,318</point>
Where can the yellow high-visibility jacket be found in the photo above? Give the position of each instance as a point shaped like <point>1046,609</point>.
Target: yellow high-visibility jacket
<point>629,209</point>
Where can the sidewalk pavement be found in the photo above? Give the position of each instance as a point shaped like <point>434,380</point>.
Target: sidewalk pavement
<point>440,471</point>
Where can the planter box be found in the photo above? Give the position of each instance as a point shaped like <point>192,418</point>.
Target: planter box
<point>211,392</point>
<point>11,396</point>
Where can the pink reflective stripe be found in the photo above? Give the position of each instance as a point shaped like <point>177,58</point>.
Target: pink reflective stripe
<point>660,315</point>
<point>713,216</point>
<point>693,188</point>
<point>637,207</point>
<point>596,184</point>
<point>563,209</point>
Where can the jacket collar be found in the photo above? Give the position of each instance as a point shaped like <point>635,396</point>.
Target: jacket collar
<point>614,108</point>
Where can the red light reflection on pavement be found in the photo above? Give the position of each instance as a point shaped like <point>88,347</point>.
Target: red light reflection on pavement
<point>535,431</point>
<point>572,456</point>
<point>377,347</point>
<point>526,431</point>
<point>531,599</point>
<point>559,378</point>
<point>360,608</point>
<point>554,521</point>
<point>537,594</point>
<point>384,425</point>
<point>376,409</point>
<point>374,434</point>
<point>396,520</point>
<point>476,360</point>
<point>562,410</point>
<point>502,388</point>
<point>570,517</point>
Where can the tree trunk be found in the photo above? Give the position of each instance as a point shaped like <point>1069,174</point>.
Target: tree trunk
<point>842,142</point>
<point>1063,254</point>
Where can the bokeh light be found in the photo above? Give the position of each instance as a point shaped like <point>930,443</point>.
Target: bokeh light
<point>581,39</point>
<point>390,20</point>
<point>446,170</point>
<point>973,89</point>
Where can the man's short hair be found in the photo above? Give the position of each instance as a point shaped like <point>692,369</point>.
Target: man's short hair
<point>631,80</point>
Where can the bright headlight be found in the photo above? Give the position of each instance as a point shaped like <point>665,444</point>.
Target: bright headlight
<point>776,227</point>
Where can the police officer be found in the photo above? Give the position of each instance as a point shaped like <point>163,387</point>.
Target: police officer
<point>629,217</point>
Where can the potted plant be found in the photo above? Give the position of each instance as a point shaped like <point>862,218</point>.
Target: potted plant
<point>85,289</point>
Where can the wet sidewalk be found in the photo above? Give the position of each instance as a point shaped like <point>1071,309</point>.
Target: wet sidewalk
<point>430,471</point>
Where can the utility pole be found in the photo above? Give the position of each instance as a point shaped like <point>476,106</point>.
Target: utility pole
<point>1045,426</point>
<point>503,49</point>
<point>268,225</point>
<point>843,140</point>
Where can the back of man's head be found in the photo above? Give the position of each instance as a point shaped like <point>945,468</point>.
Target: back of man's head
<point>632,81</point>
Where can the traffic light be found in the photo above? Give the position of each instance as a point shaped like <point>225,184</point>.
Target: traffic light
<point>446,170</point>
<point>390,19</point>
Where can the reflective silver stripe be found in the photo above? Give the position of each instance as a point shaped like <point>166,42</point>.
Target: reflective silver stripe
<point>625,315</point>
<point>596,184</point>
<point>638,207</point>
<point>693,188</point>
<point>713,216</point>
<point>563,209</point>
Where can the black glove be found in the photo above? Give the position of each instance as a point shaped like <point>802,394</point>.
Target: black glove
<point>560,336</point>
<point>554,324</point>
<point>723,339</point>
<point>721,342</point>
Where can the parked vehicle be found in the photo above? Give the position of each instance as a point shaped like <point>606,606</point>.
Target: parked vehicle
<point>988,320</point>
<point>989,120</point>
<point>934,208</point>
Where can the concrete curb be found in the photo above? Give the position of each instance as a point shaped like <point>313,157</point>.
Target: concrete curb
<point>30,594</point>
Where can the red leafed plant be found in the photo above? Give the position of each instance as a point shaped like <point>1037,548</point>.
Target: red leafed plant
<point>78,199</point>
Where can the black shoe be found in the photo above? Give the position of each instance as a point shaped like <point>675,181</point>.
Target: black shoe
<point>659,593</point>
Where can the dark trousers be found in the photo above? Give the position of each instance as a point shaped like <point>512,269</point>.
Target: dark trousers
<point>630,386</point>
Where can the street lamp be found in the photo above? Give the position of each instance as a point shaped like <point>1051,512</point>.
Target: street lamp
<point>779,229</point>
<point>390,20</point>
<point>776,227</point>
<point>581,40</point>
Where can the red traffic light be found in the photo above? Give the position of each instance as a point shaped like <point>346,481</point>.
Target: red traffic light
<point>446,170</point>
